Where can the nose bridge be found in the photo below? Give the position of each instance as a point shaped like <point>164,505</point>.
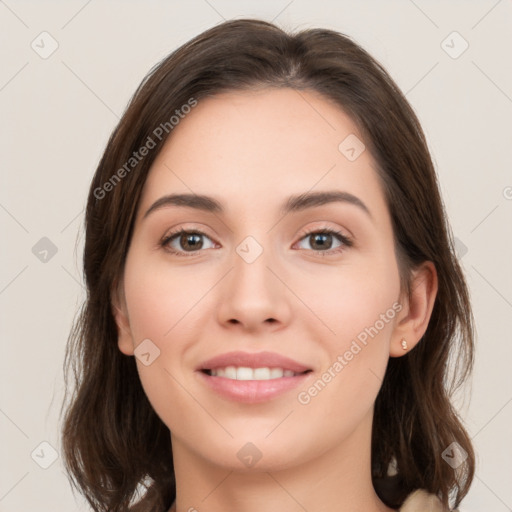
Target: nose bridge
<point>252,294</point>
<point>251,259</point>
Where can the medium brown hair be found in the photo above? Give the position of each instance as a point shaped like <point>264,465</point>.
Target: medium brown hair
<point>112,439</point>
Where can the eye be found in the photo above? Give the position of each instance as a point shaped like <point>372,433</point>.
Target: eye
<point>323,239</point>
<point>187,241</point>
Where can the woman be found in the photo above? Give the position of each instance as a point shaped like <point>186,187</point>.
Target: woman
<point>273,295</point>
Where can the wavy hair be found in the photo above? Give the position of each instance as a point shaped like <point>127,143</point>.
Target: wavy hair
<point>113,443</point>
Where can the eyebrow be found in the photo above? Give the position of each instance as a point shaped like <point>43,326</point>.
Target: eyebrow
<point>294,203</point>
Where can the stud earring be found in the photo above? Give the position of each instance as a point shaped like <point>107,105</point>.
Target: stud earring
<point>404,344</point>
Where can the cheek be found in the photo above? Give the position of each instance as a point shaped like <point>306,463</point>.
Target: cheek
<point>158,303</point>
<point>361,310</point>
<point>165,306</point>
<point>350,300</point>
<point>161,299</point>
<point>358,309</point>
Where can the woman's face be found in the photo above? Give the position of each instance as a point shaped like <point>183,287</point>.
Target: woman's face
<point>250,286</point>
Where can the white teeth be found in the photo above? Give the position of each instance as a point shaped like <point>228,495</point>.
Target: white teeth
<point>229,372</point>
<point>244,373</point>
<point>276,373</point>
<point>261,373</point>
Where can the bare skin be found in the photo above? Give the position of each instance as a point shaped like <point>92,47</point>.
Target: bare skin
<point>251,151</point>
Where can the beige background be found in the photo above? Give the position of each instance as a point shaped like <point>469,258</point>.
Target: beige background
<point>56,115</point>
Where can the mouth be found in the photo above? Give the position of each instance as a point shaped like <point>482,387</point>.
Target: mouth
<point>252,378</point>
<point>246,373</point>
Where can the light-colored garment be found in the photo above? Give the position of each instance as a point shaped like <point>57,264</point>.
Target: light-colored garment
<point>422,501</point>
<point>417,501</point>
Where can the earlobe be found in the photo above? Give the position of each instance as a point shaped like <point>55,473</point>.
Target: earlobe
<point>120,313</point>
<point>413,320</point>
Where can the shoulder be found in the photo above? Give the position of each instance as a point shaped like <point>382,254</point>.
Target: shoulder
<point>422,501</point>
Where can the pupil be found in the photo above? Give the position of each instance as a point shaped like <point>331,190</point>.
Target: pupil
<point>322,237</point>
<point>187,238</point>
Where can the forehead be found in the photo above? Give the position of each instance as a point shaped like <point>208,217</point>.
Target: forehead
<point>257,146</point>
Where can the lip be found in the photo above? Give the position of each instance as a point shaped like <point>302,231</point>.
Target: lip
<point>254,360</point>
<point>252,391</point>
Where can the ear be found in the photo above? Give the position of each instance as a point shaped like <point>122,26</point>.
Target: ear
<point>413,319</point>
<point>120,312</point>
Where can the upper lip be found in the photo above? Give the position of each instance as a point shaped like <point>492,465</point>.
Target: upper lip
<point>253,360</point>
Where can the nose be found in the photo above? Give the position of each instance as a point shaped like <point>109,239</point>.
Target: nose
<point>253,294</point>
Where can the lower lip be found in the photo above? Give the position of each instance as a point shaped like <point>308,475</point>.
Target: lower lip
<point>252,391</point>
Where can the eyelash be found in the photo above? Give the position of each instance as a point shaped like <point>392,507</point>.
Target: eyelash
<point>346,241</point>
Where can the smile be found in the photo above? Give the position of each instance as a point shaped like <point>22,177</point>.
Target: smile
<point>252,377</point>
<point>245,373</point>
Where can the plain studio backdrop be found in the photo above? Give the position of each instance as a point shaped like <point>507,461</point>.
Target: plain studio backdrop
<point>67,72</point>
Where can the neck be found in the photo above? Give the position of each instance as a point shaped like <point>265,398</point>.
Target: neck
<point>338,480</point>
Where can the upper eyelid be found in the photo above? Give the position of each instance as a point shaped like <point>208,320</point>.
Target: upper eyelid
<point>309,231</point>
